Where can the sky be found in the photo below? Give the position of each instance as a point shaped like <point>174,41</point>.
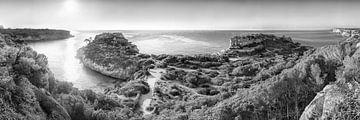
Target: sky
<point>180,14</point>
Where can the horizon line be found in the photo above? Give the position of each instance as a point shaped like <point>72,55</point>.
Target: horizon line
<point>230,29</point>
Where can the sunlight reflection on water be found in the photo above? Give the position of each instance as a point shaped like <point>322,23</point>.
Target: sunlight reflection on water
<point>62,62</point>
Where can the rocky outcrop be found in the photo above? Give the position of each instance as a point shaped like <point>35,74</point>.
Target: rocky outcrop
<point>347,32</point>
<point>192,61</point>
<point>36,34</point>
<point>339,100</point>
<point>111,54</point>
<point>262,44</point>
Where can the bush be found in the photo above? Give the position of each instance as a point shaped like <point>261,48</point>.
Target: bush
<point>196,78</point>
<point>63,87</point>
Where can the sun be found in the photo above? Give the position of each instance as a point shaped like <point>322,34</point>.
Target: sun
<point>70,5</point>
<point>69,8</point>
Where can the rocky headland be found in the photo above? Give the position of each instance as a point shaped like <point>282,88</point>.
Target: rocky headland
<point>32,35</point>
<point>111,55</point>
<point>264,45</point>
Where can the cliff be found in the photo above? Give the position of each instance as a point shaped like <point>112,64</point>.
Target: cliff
<point>347,32</point>
<point>339,100</point>
<point>36,34</point>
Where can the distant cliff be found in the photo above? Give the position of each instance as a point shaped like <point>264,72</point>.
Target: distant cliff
<point>347,32</point>
<point>36,34</point>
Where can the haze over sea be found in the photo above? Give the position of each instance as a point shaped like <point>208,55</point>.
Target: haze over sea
<point>62,61</point>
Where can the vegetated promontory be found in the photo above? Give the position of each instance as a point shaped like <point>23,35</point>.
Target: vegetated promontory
<point>259,77</point>
<point>31,35</point>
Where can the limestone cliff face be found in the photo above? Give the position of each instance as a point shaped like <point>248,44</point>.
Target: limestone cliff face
<point>339,100</point>
<point>111,54</point>
<point>110,70</point>
<point>347,32</point>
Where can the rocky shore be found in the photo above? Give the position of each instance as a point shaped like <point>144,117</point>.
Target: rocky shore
<point>274,78</point>
<point>259,77</point>
<point>32,35</point>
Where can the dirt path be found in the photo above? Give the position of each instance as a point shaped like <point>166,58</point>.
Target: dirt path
<point>146,99</point>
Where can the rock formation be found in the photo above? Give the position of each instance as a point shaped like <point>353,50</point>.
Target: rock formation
<point>340,99</point>
<point>262,44</point>
<point>347,32</point>
<point>111,54</point>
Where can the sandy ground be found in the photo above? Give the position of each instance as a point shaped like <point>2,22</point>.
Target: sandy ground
<point>151,80</point>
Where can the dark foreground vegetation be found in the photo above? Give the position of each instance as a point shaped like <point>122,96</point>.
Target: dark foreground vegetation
<point>36,34</point>
<point>264,81</point>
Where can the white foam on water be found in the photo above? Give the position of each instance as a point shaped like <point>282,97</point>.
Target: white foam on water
<point>170,44</point>
<point>185,39</point>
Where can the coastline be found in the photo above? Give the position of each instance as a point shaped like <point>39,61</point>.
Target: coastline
<point>267,70</point>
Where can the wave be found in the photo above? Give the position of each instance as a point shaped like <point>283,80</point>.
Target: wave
<point>130,35</point>
<point>171,44</point>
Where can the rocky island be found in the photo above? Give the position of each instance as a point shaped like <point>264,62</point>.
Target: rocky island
<point>260,77</point>
<point>31,35</point>
<point>111,55</point>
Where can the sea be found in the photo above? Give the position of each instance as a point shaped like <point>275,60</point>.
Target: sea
<point>64,65</point>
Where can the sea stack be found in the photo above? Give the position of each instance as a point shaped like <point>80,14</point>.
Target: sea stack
<point>110,54</point>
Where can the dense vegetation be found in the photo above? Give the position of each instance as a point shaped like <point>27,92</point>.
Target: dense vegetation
<point>36,34</point>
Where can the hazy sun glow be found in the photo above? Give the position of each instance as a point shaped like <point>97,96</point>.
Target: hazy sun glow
<point>179,15</point>
<point>69,8</point>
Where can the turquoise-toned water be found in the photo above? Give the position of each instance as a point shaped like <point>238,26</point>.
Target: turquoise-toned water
<point>62,61</point>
